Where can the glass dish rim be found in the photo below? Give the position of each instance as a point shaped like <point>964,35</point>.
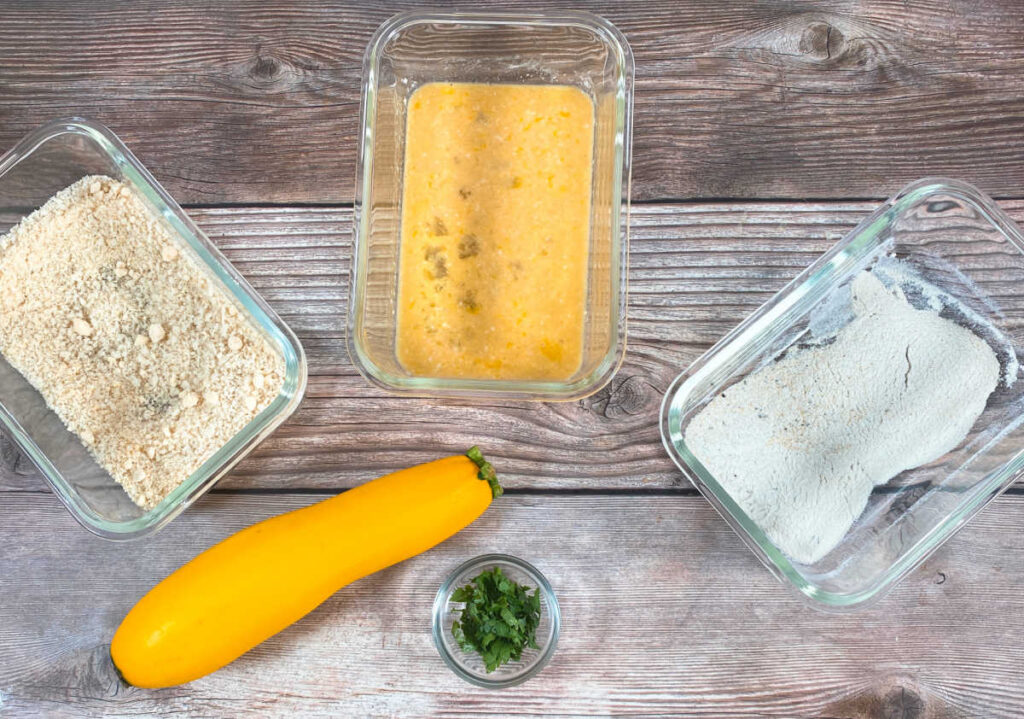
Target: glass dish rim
<point>797,297</point>
<point>259,312</point>
<point>441,603</point>
<point>477,388</point>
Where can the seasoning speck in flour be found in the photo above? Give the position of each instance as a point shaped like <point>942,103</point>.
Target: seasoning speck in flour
<point>127,340</point>
<point>800,443</point>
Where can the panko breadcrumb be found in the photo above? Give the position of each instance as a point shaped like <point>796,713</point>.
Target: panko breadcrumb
<point>127,339</point>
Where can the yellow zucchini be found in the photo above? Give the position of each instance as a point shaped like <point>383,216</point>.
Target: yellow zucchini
<point>256,582</point>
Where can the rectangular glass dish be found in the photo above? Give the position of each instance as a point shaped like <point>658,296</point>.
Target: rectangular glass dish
<point>955,239</point>
<point>46,161</point>
<point>412,49</point>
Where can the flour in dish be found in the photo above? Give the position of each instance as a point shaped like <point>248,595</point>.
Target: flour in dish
<point>800,444</point>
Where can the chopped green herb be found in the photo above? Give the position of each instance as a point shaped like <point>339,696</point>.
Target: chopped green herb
<point>469,246</point>
<point>499,620</point>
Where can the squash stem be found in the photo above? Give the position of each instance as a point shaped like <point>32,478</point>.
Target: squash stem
<point>486,472</point>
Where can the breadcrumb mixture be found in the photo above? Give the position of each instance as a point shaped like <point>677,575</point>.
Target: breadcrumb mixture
<point>118,327</point>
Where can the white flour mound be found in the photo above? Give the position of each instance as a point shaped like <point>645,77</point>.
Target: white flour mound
<point>800,443</point>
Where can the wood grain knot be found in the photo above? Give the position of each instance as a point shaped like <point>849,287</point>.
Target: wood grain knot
<point>830,41</point>
<point>12,460</point>
<point>902,703</point>
<point>893,700</point>
<point>939,206</point>
<point>822,41</point>
<point>265,68</point>
<point>85,672</point>
<point>624,397</point>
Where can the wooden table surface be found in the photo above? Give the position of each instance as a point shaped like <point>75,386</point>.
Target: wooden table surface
<point>763,132</point>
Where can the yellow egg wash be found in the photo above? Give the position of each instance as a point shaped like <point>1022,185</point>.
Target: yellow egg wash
<point>495,231</point>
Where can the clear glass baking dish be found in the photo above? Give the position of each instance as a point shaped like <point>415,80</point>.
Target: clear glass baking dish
<point>43,163</point>
<point>415,48</point>
<point>956,238</point>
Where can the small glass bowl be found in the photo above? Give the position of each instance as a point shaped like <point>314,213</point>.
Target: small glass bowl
<point>43,163</point>
<point>468,665</point>
<point>562,48</point>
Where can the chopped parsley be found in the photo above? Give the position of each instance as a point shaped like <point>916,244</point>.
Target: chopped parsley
<point>499,619</point>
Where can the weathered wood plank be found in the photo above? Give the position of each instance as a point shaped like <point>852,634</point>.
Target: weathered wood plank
<point>247,102</point>
<point>696,271</point>
<point>664,612</point>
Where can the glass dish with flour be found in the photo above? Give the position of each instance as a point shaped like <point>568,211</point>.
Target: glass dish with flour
<point>857,420</point>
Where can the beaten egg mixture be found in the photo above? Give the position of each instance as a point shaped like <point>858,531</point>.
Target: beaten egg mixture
<point>495,231</point>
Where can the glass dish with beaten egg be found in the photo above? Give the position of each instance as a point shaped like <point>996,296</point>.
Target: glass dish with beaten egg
<point>492,206</point>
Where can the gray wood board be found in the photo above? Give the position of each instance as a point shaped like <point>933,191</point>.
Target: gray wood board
<point>695,272</point>
<point>665,611</point>
<point>258,102</point>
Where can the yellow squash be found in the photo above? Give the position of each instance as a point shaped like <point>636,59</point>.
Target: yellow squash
<point>258,581</point>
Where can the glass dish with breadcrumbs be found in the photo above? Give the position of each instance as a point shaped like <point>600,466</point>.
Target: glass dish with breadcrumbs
<point>492,205</point>
<point>136,365</point>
